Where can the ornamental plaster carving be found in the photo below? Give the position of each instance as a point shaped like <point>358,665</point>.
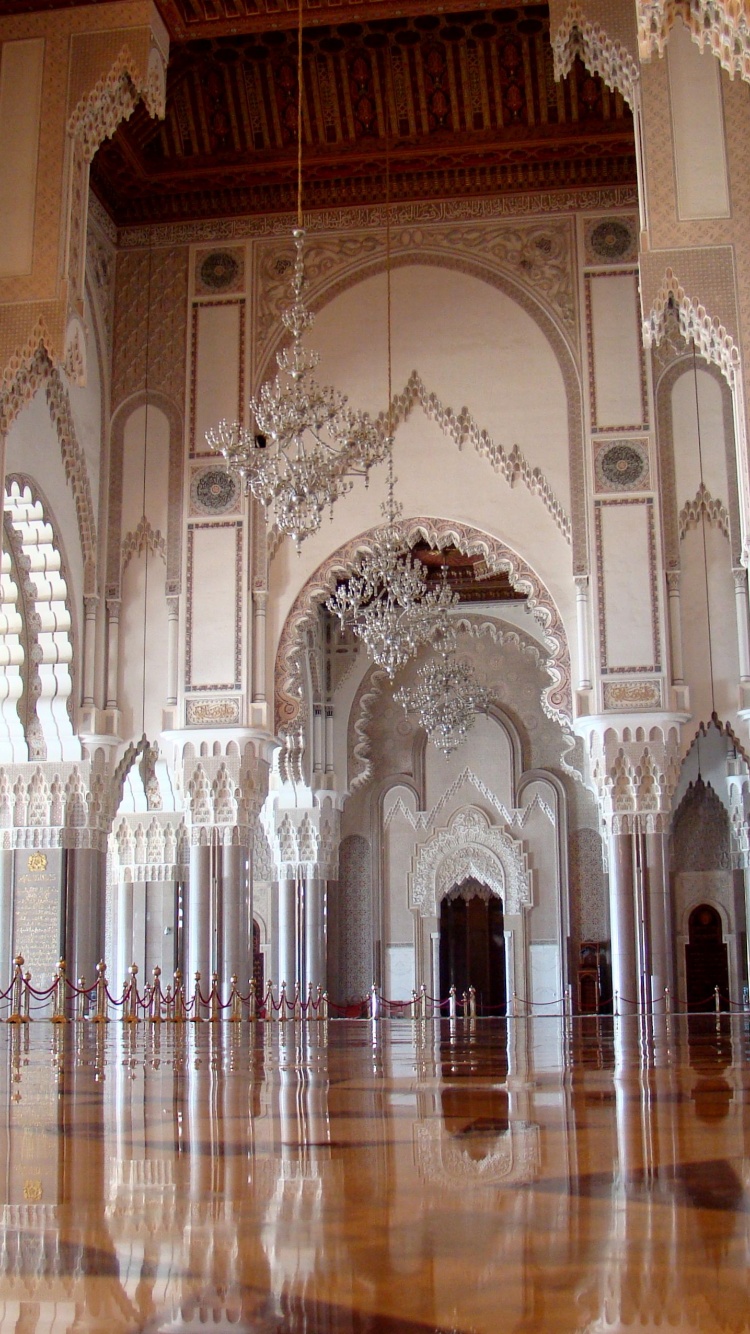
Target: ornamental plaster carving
<point>711,338</point>
<point>633,769</point>
<point>536,254</point>
<point>142,538</point>
<point>578,35</point>
<point>303,841</point>
<point>719,26</point>
<point>703,506</point>
<point>514,818</point>
<point>515,1157</point>
<point>54,805</point>
<point>114,96</point>
<point>470,846</point>
<point>290,705</point>
<point>462,429</point>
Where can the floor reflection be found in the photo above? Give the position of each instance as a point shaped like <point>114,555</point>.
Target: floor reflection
<point>489,1176</point>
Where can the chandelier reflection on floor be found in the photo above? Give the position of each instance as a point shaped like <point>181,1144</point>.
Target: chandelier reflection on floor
<point>446,698</point>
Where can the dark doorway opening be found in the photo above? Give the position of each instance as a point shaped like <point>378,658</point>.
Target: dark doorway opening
<point>472,946</point>
<point>706,964</point>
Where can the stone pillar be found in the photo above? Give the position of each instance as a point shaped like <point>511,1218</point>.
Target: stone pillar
<point>582,610</point>
<point>233,894</point>
<point>675,627</point>
<point>199,954</point>
<point>113,651</point>
<point>6,916</point>
<point>316,932</point>
<point>90,605</point>
<point>740,596</point>
<point>124,936</point>
<point>287,933</point>
<point>661,930</point>
<point>318,741</point>
<point>260,599</point>
<point>85,885</point>
<point>625,979</point>
<point>329,738</point>
<point>173,624</point>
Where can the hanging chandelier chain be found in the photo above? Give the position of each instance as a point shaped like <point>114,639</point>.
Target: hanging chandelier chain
<point>299,116</point>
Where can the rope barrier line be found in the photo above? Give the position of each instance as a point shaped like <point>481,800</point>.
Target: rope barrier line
<point>152,1004</point>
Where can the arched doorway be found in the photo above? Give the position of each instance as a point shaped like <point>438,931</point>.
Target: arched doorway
<point>472,945</point>
<point>706,963</point>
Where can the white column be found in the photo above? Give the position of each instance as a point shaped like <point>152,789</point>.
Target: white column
<point>582,610</point>
<point>234,916</point>
<point>329,738</point>
<point>85,885</point>
<point>6,916</point>
<point>199,952</point>
<point>90,605</point>
<point>287,933</point>
<point>675,627</point>
<point>260,598</point>
<point>113,650</point>
<point>316,921</point>
<point>318,743</point>
<point>625,980</point>
<point>173,624</point>
<point>124,956</point>
<point>740,596</point>
<point>660,919</point>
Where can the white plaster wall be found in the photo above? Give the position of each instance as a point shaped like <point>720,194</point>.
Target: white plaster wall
<point>488,355</point>
<point>695,613</point>
<point>685,435</point>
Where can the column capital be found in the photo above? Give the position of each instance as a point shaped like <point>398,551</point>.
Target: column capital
<point>632,763</point>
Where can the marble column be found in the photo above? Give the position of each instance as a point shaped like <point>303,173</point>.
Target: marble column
<point>675,627</point>
<point>287,933</point>
<point>582,611</point>
<point>316,932</point>
<point>6,916</point>
<point>85,888</point>
<point>89,651</point>
<point>113,651</point>
<point>124,936</point>
<point>625,978</point>
<point>235,916</point>
<point>260,599</point>
<point>660,926</point>
<point>173,624</point>
<point>198,952</point>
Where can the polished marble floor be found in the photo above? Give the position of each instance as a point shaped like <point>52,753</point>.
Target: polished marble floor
<point>348,1177</point>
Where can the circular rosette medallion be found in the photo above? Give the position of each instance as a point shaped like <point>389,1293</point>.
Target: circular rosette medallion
<point>623,466</point>
<point>214,491</point>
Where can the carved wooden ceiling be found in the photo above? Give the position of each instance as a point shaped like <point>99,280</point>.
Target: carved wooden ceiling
<point>469,98</point>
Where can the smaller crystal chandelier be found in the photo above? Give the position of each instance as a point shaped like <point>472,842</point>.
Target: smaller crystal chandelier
<point>446,698</point>
<point>307,445</point>
<point>387,602</point>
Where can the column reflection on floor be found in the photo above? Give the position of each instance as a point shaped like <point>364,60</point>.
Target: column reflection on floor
<point>439,1175</point>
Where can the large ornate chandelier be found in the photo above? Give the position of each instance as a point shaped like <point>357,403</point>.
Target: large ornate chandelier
<point>446,698</point>
<point>306,445</point>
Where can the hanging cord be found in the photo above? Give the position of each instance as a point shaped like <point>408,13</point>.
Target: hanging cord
<point>391,509</point>
<point>145,460</point>
<point>703,530</point>
<point>299,115</point>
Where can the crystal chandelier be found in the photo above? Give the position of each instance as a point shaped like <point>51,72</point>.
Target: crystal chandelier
<point>387,602</point>
<point>306,445</point>
<point>446,698</point>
